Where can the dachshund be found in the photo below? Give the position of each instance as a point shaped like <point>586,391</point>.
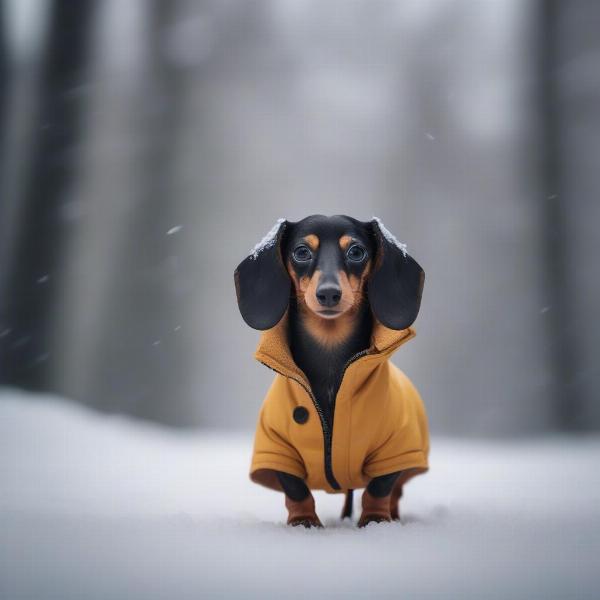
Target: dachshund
<point>327,282</point>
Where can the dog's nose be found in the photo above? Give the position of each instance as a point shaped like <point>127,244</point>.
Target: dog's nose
<point>329,295</point>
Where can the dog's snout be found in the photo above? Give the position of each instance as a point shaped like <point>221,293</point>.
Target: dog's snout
<point>329,295</point>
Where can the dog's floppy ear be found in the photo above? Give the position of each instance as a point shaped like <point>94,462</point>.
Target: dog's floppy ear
<point>396,283</point>
<point>262,283</point>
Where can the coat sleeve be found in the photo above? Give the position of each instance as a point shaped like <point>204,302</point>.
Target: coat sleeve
<point>405,433</point>
<point>272,448</point>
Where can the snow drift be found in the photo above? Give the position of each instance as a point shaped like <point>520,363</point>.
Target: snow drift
<point>102,507</point>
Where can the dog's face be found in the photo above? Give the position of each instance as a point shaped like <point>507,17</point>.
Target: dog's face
<point>331,264</point>
<point>328,260</point>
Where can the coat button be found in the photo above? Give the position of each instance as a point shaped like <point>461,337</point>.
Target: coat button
<point>300,415</point>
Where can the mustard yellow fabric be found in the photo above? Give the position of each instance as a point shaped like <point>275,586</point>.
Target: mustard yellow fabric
<point>380,424</point>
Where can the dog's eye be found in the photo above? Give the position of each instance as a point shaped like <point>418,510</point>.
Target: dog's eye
<point>356,253</point>
<point>302,254</point>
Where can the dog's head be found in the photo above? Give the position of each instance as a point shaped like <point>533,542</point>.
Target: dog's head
<point>331,265</point>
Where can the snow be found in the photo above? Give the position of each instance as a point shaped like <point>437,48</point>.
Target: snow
<point>94,506</point>
<point>268,241</point>
<point>390,237</point>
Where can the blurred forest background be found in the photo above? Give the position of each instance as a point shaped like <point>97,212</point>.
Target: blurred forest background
<point>145,146</point>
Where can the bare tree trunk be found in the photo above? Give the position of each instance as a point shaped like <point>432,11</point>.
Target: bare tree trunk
<point>4,74</point>
<point>144,281</point>
<point>30,289</point>
<point>559,294</point>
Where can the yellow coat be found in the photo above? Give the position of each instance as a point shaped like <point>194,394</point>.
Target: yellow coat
<point>380,424</point>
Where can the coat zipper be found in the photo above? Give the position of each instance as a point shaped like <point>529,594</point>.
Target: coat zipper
<point>327,432</point>
<point>327,435</point>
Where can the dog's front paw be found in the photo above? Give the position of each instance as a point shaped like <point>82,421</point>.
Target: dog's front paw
<point>375,510</point>
<point>307,522</point>
<point>302,512</point>
<point>367,519</point>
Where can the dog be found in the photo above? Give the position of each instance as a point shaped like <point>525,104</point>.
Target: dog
<point>334,297</point>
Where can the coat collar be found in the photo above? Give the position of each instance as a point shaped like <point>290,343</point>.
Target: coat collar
<point>273,348</point>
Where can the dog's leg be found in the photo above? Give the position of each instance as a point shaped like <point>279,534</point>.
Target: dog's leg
<point>395,500</point>
<point>299,501</point>
<point>376,499</point>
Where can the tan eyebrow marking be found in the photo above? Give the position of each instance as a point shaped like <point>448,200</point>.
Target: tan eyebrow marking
<point>345,241</point>
<point>313,241</point>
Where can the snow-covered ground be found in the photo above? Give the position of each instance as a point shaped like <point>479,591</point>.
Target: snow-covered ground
<point>102,507</point>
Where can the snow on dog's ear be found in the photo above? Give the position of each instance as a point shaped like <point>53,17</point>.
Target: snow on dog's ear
<point>262,283</point>
<point>396,283</point>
